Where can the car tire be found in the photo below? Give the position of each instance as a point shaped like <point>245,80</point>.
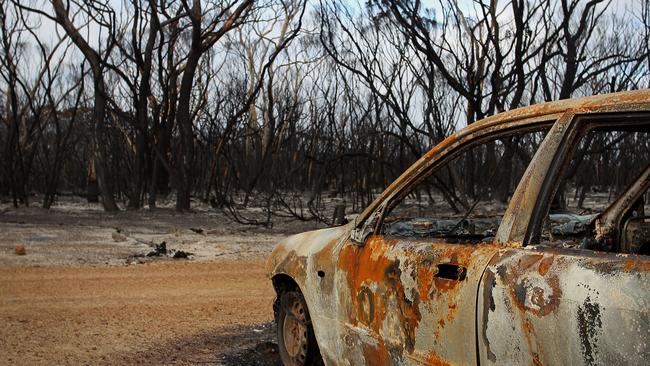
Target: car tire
<point>296,341</point>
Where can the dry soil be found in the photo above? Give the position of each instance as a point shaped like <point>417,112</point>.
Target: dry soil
<point>86,293</point>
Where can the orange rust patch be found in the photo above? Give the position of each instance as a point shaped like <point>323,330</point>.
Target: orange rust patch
<point>429,154</point>
<point>434,360</point>
<point>369,265</point>
<point>545,264</point>
<point>636,265</point>
<point>376,355</point>
<point>425,278</point>
<point>365,263</point>
<point>444,285</point>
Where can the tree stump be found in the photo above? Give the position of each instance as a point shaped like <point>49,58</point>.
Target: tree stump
<point>339,215</point>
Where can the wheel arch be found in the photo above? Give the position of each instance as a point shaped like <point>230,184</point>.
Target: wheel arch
<point>283,282</point>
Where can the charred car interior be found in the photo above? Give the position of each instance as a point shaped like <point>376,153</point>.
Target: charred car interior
<point>486,253</point>
<point>463,199</point>
<point>576,207</point>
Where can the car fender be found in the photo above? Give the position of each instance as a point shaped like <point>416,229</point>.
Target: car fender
<point>310,260</point>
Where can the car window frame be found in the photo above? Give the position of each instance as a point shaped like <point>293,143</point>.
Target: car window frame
<point>579,125</point>
<point>528,125</point>
<point>396,199</point>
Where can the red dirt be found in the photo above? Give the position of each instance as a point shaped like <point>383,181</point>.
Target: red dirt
<point>157,313</point>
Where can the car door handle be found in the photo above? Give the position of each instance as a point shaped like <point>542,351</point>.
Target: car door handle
<point>451,272</point>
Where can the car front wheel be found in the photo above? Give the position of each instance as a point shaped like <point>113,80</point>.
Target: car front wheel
<point>296,340</point>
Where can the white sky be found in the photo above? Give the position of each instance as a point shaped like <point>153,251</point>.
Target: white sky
<point>48,30</point>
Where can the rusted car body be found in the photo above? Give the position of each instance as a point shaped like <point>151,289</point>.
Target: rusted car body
<point>377,300</point>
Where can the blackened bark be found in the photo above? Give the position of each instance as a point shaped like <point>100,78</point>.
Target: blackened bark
<point>98,145</point>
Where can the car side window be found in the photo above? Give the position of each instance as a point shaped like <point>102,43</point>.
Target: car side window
<point>604,163</point>
<point>465,198</point>
<point>604,166</point>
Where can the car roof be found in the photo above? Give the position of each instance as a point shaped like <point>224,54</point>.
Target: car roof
<point>621,101</point>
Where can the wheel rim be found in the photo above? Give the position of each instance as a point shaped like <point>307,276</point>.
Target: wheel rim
<point>295,332</point>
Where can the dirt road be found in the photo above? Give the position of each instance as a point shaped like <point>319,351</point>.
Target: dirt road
<point>158,313</point>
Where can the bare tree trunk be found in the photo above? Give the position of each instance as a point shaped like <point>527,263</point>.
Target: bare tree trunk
<point>185,162</point>
<point>142,108</point>
<point>98,146</point>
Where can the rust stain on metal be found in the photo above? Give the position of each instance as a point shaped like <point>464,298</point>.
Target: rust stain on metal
<point>434,360</point>
<point>426,276</point>
<point>635,265</point>
<point>367,267</point>
<point>376,355</point>
<point>545,264</point>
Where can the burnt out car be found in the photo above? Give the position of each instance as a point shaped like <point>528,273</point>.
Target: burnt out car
<point>521,239</point>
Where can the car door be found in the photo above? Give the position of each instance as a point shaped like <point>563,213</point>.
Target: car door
<point>567,292</point>
<point>407,293</point>
<point>412,299</point>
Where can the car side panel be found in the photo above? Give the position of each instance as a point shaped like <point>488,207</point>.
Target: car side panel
<point>395,308</point>
<point>546,306</point>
